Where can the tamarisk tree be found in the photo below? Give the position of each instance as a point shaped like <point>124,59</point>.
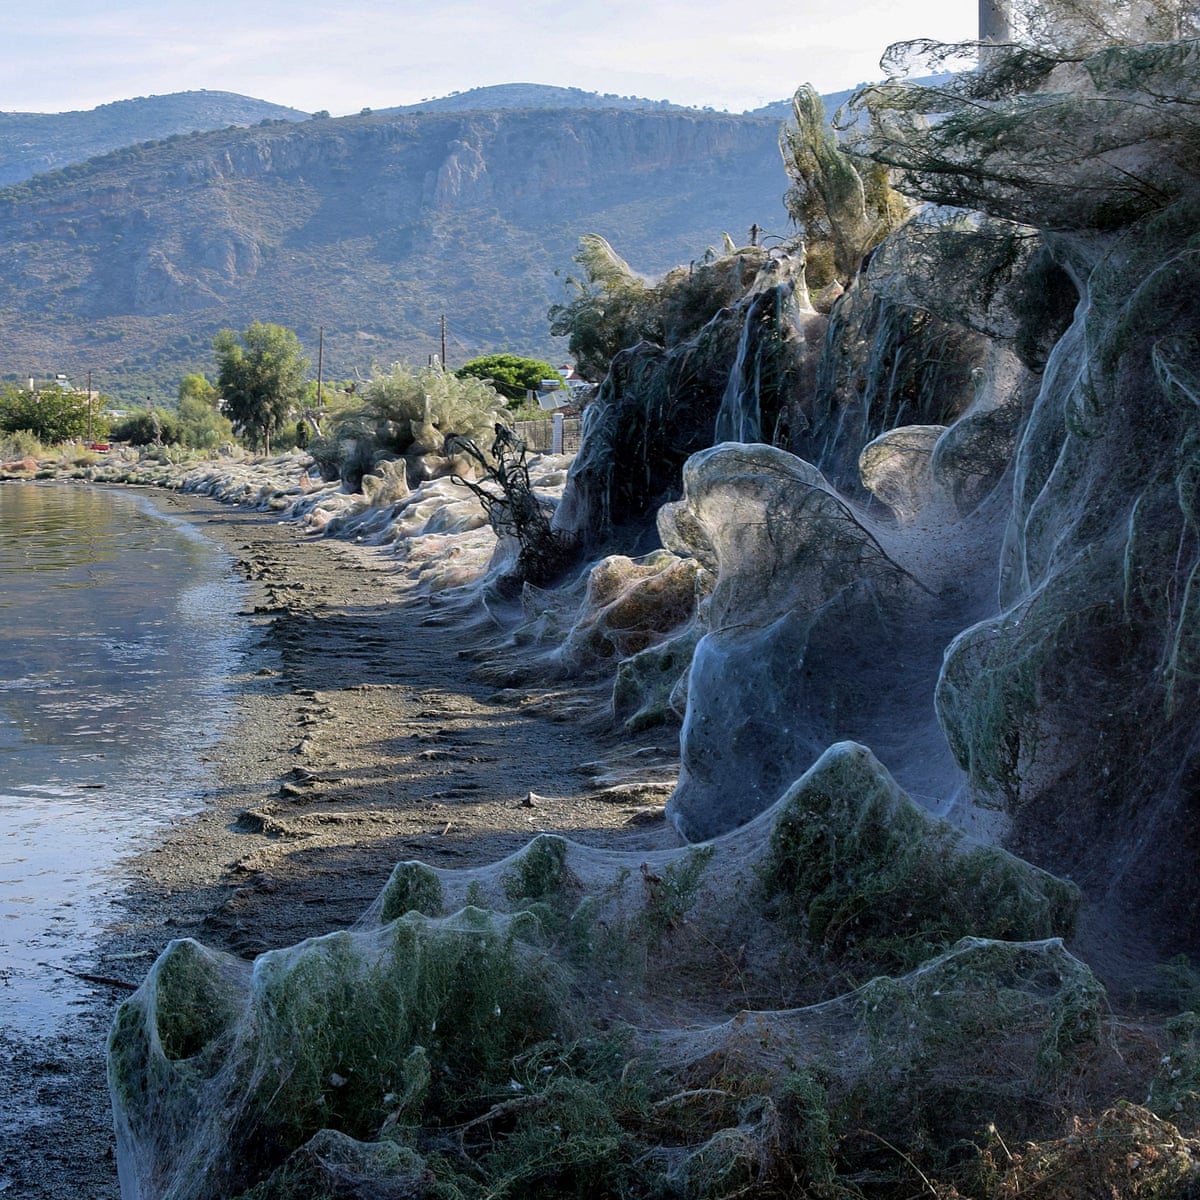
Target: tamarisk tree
<point>260,375</point>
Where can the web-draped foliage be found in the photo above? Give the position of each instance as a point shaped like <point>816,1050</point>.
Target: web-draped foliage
<point>1062,141</point>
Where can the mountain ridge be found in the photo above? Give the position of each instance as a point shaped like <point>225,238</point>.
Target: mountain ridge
<point>31,142</point>
<point>368,228</point>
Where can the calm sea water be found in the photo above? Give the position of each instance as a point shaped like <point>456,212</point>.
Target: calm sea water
<point>117,638</point>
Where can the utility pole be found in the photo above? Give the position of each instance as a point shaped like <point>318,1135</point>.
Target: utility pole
<point>320,361</point>
<point>89,406</point>
<point>443,341</point>
<point>995,26</point>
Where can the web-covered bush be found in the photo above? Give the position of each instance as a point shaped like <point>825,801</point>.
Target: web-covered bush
<point>606,1029</point>
<point>404,410</point>
<point>406,402</point>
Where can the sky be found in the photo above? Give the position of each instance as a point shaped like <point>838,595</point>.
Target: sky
<point>346,55</point>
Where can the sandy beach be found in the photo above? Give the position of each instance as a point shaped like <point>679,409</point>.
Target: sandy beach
<point>364,736</point>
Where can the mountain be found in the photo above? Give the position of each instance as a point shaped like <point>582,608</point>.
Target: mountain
<point>34,142</point>
<point>533,95</point>
<point>369,228</point>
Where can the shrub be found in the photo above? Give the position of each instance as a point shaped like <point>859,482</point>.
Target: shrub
<point>404,410</point>
<point>19,443</point>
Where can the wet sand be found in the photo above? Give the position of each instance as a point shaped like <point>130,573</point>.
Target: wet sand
<point>364,736</point>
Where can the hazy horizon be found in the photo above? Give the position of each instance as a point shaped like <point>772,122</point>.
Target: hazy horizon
<point>65,56</point>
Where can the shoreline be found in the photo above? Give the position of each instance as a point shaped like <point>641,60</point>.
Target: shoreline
<point>359,738</point>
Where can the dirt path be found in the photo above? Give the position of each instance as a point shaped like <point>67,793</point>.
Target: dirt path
<point>363,738</point>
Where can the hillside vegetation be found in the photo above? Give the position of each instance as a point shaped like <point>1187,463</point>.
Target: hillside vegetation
<point>32,142</point>
<point>368,227</point>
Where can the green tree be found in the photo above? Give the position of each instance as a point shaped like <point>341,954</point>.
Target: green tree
<point>51,415</point>
<point>260,373</point>
<point>201,424</point>
<point>511,375</point>
<point>145,428</point>
<point>198,387</point>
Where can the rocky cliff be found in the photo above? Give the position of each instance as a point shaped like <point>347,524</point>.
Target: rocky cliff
<point>371,227</point>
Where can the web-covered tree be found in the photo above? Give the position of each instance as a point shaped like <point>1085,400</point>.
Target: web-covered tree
<point>1085,25</point>
<point>1086,147</point>
<point>842,207</point>
<point>400,411</point>
<point>260,374</point>
<point>1053,139</point>
<point>613,307</point>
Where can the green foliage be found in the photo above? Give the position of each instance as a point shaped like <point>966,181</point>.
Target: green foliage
<point>559,1128</point>
<point>672,893</point>
<point>807,1119</point>
<point>413,887</point>
<point>260,374</point>
<point>970,1037</point>
<point>875,881</point>
<point>511,375</point>
<point>443,1057</point>
<point>1175,1089</point>
<point>155,428</point>
<point>51,415</point>
<point>423,1034</point>
<point>539,882</point>
<point>201,425</point>
<point>320,1169</point>
<point>540,871</point>
<point>19,444</point>
<point>191,1006</point>
<point>564,1140</point>
<point>197,387</point>
<point>1177,984</point>
<point>178,1037</point>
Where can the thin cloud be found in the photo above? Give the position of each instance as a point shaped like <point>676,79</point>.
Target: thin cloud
<point>72,54</point>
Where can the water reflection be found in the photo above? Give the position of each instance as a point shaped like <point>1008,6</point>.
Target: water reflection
<point>117,636</point>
